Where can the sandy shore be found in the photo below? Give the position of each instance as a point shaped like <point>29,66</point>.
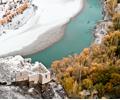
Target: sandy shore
<point>102,26</point>
<point>42,37</point>
<point>45,40</point>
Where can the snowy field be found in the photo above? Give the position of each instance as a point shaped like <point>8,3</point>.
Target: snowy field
<point>42,30</point>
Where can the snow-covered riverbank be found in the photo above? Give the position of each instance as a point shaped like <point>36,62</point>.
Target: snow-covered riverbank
<point>43,29</point>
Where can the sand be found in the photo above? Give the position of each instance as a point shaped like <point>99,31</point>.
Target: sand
<point>41,31</point>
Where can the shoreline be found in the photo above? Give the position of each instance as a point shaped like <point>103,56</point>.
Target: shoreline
<point>63,28</point>
<point>99,32</point>
<point>46,39</point>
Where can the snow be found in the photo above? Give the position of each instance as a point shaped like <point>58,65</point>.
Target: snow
<point>50,13</point>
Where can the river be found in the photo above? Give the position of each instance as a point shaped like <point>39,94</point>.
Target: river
<point>78,35</point>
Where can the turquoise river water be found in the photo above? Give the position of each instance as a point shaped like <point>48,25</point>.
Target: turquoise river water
<point>78,35</point>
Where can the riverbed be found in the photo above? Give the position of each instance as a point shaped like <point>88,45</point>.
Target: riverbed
<point>78,35</point>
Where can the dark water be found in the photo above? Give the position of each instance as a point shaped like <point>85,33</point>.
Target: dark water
<point>78,35</point>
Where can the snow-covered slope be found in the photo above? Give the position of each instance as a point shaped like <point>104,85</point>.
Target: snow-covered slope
<point>43,29</point>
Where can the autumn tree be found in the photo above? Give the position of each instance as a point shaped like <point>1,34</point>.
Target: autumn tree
<point>116,21</point>
<point>100,88</point>
<point>109,87</point>
<point>68,85</point>
<point>111,5</point>
<point>87,83</point>
<point>115,79</point>
<point>75,90</point>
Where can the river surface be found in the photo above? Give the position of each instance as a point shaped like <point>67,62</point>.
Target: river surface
<point>78,35</point>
